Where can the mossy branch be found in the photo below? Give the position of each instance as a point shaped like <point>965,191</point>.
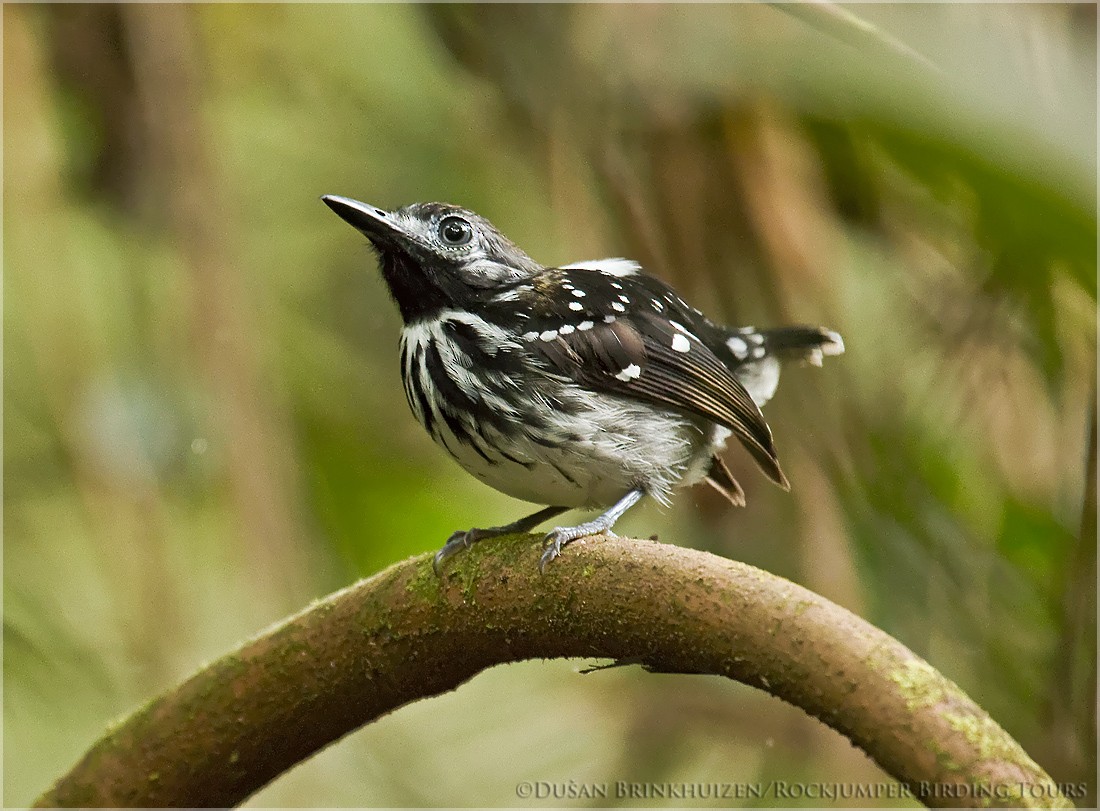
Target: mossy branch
<point>405,634</point>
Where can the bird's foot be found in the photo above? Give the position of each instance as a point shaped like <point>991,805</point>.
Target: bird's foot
<point>463,539</point>
<point>559,537</point>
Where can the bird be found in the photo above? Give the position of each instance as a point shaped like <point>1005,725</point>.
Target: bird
<point>585,386</point>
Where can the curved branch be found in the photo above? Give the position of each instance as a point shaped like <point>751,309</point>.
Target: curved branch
<point>405,634</point>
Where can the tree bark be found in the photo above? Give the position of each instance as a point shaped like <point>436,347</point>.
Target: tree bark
<point>405,634</point>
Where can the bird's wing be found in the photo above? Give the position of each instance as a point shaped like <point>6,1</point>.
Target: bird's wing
<point>651,358</point>
<point>612,328</point>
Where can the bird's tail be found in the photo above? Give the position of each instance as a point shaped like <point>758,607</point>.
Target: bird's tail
<point>754,354</point>
<point>809,344</point>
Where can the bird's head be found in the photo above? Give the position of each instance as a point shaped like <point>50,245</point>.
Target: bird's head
<point>435,256</point>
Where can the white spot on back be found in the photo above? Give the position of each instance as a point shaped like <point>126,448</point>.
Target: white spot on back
<point>680,343</point>
<point>530,336</point>
<point>624,299</point>
<point>576,305</point>
<point>615,266</point>
<point>609,319</point>
<point>630,372</point>
<point>584,326</point>
<point>565,329</point>
<point>618,307</point>
<point>579,293</point>
<point>549,335</point>
<point>678,325</point>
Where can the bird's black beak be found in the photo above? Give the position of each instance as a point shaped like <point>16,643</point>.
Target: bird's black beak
<point>377,224</point>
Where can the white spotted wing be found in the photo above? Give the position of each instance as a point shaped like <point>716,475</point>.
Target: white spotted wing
<point>619,341</point>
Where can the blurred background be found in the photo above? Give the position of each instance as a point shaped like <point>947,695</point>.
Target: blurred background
<point>205,427</point>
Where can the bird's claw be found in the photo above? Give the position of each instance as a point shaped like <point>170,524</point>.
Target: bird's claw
<point>457,542</point>
<point>551,548</point>
<point>562,536</point>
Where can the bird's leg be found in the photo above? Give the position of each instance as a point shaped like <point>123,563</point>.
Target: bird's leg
<point>561,536</point>
<point>463,539</point>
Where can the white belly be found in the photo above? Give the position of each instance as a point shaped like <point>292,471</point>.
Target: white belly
<point>595,457</point>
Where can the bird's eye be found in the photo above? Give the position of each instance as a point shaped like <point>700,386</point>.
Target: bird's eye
<point>455,231</point>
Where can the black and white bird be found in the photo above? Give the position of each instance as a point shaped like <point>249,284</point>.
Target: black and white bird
<point>586,386</point>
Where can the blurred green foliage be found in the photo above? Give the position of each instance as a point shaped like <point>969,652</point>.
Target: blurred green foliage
<point>204,425</point>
